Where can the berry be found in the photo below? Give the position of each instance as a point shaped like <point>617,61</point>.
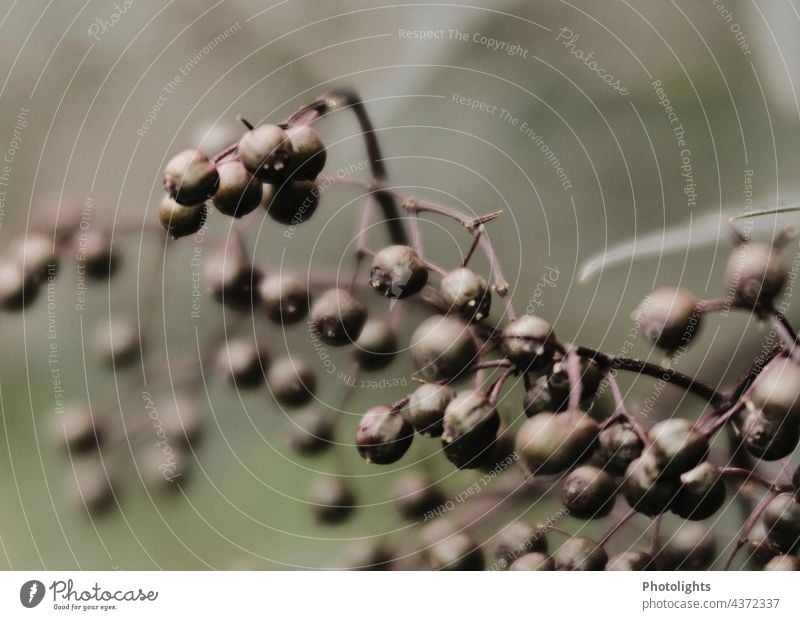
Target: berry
<point>768,440</point>
<point>533,561</point>
<point>783,562</point>
<point>755,273</point>
<point>239,192</point>
<point>266,152</point>
<point>516,540</point>
<point>231,279</point>
<point>78,431</point>
<point>776,391</point>
<point>308,152</point>
<point>617,446</point>
<point>383,435</point>
<point>94,486</point>
<point>442,348</point>
<point>645,490</point>
<point>549,443</point>
<point>670,317</point>
<point>782,521</point>
<point>310,432</point>
<point>242,362</point>
<point>16,290</point>
<point>426,408</point>
<point>36,254</point>
<point>376,347</point>
<point>368,555</point>
<point>470,429</point>
<point>162,470</point>
<point>117,343</point>
<point>338,317</point>
<point>538,398</point>
<point>398,272</point>
<point>559,387</point>
<point>678,446</point>
<point>760,549</point>
<point>580,553</point>
<point>415,494</point>
<point>190,178</point>
<point>451,549</point>
<point>466,294</point>
<point>632,560</point>
<point>96,255</point>
<point>284,297</point>
<point>181,221</point>
<point>291,381</point>
<point>528,342</point>
<point>332,500</point>
<point>588,492</point>
<point>180,420</point>
<point>292,202</point>
<point>702,493</point>
<point>692,547</point>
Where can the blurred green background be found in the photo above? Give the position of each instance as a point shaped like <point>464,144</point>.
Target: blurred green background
<point>103,111</point>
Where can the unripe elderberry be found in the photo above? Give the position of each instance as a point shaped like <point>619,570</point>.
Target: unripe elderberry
<point>755,273</point>
<point>266,152</point>
<point>767,439</point>
<point>589,492</point>
<point>285,298</point>
<point>702,493</point>
<point>782,521</point>
<point>426,408</point>
<point>239,192</point>
<point>678,446</point>
<point>179,220</point>
<point>292,202</point>
<point>291,381</point>
<point>338,317</point>
<point>190,178</point>
<point>669,317</point>
<point>376,347</point>
<point>383,435</point>
<point>442,348</point>
<point>645,490</point>
<point>580,553</point>
<point>533,561</point>
<point>333,501</point>
<point>617,447</point>
<point>310,432</point>
<point>549,443</point>
<point>398,272</point>
<point>308,152</point>
<point>528,342</point>
<point>466,294</point>
<point>776,391</point>
<point>243,362</point>
<point>470,429</point>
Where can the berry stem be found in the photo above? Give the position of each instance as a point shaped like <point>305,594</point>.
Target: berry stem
<point>750,476</point>
<point>747,527</point>
<point>616,526</point>
<point>498,385</point>
<point>343,98</point>
<point>474,245</point>
<point>574,375</point>
<point>668,375</point>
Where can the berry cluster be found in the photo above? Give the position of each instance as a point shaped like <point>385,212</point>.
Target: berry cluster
<point>560,433</point>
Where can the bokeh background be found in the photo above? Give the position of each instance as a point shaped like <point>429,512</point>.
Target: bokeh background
<point>91,110</point>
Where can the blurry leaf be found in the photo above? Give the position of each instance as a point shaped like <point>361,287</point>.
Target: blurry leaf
<point>696,232</point>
